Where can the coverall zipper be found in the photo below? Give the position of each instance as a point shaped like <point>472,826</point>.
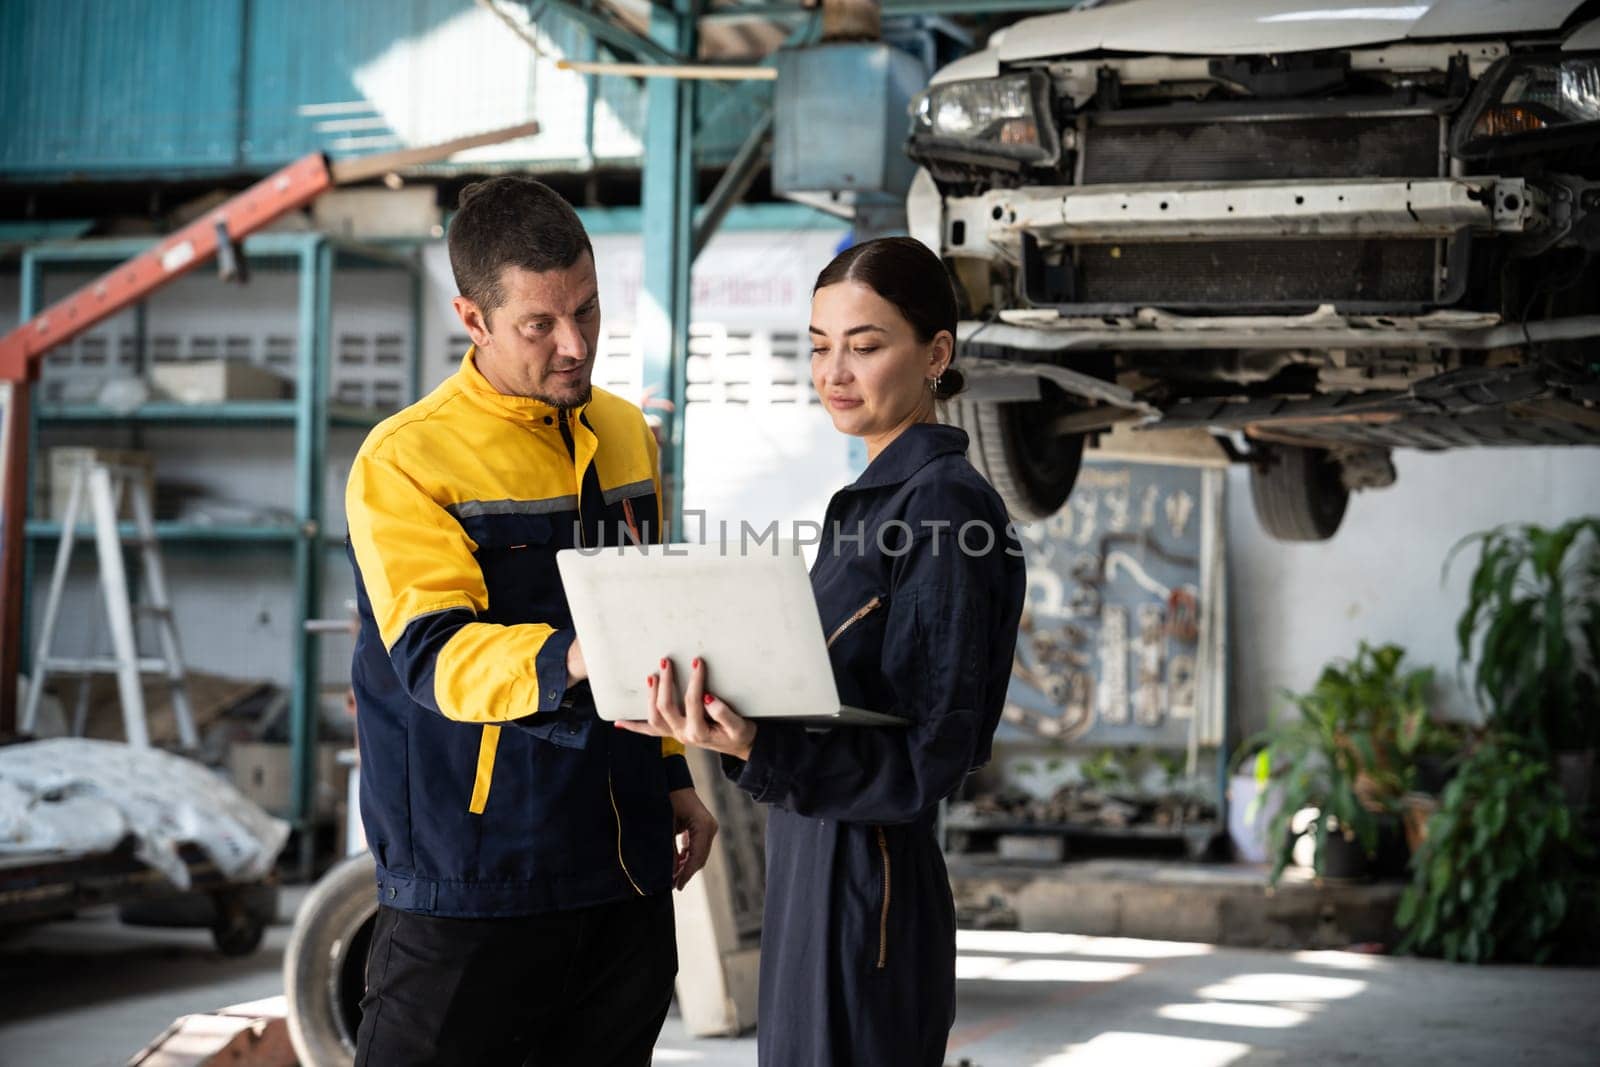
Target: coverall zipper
<point>616,815</point>
<point>883,916</point>
<point>860,613</point>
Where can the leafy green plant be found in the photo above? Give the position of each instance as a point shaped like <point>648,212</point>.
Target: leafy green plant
<point>1347,751</point>
<point>1498,876</point>
<point>1532,623</point>
<point>1104,770</point>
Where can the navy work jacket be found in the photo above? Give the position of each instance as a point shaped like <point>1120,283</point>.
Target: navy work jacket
<point>920,584</point>
<point>488,787</point>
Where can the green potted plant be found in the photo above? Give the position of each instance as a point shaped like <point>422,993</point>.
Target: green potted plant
<point>1500,874</point>
<point>1346,755</point>
<point>1532,626</point>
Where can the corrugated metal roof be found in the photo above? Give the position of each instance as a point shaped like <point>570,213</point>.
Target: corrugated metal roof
<point>171,88</point>
<point>110,87</point>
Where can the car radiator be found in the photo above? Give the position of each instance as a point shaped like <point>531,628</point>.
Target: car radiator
<point>1259,272</point>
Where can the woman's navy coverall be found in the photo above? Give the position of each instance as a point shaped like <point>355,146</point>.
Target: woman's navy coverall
<point>920,586</point>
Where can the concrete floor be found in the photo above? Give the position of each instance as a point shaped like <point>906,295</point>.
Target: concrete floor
<point>92,992</point>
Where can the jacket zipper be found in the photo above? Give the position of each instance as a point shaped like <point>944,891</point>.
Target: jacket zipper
<point>616,815</point>
<point>883,916</point>
<point>860,613</point>
<point>633,527</point>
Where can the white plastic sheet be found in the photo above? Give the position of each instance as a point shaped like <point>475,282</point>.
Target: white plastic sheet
<point>74,795</point>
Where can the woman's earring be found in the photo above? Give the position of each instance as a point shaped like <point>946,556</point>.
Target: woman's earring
<point>933,384</point>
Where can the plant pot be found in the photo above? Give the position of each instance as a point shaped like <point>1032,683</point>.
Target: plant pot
<point>1393,855</point>
<point>1433,774</point>
<point>1247,828</point>
<point>1344,860</point>
<point>1575,772</point>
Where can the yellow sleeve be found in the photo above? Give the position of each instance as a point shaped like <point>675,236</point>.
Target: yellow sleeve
<point>669,746</point>
<point>426,590</point>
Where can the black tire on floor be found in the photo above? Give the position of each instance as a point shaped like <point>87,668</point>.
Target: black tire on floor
<point>1298,493</point>
<point>239,918</point>
<point>325,963</point>
<point>1032,468</point>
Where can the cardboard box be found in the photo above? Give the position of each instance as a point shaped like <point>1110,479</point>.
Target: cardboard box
<point>213,381</point>
<point>261,771</point>
<point>62,464</point>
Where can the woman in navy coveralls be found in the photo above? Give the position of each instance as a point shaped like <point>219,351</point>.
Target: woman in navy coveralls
<point>919,583</point>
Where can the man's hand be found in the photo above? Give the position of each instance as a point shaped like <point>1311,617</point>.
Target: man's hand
<point>577,669</point>
<point>695,828</point>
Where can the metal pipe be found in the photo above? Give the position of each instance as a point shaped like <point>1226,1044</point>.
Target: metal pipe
<point>692,72</point>
<point>1062,339</point>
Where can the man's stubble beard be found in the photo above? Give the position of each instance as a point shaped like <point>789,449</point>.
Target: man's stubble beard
<point>570,401</point>
<point>582,399</point>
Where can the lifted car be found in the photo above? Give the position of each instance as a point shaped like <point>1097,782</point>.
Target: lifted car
<point>1318,232</point>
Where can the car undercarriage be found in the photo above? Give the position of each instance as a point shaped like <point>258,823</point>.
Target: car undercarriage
<point>1317,256</point>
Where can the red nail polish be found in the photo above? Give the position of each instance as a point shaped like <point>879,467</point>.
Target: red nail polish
<point>709,698</point>
<point>649,679</point>
<point>663,664</point>
<point>695,662</point>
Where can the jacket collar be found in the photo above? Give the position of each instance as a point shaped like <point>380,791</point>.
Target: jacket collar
<point>917,446</point>
<point>521,408</point>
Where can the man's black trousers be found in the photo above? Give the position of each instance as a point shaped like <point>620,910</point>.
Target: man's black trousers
<point>587,986</point>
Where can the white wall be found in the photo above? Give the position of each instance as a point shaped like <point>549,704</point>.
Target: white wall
<point>1294,607</point>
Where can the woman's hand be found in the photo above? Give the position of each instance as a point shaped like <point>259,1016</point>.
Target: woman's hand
<point>698,718</point>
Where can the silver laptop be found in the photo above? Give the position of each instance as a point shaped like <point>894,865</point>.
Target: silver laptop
<point>751,617</point>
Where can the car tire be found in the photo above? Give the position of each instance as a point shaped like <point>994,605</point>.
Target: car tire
<point>325,963</point>
<point>1012,445</point>
<point>1299,493</point>
<point>241,916</point>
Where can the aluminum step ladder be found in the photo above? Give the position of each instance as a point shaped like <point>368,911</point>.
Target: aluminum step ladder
<point>104,483</point>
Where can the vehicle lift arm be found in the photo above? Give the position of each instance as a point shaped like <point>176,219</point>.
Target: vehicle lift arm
<point>218,231</point>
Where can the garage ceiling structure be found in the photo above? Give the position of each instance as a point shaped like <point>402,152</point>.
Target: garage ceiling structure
<point>675,49</point>
<point>679,37</point>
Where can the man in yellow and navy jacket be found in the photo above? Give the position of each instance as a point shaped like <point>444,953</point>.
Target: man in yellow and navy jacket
<point>525,849</point>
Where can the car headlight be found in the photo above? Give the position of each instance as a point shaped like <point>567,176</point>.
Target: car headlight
<point>989,119</point>
<point>1528,103</point>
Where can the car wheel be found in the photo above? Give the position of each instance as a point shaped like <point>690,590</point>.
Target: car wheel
<point>1015,446</point>
<point>1299,493</point>
<point>325,963</point>
<point>240,918</point>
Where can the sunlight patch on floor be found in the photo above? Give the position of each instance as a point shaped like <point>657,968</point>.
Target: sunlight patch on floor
<point>1281,987</point>
<point>1121,1049</point>
<point>1023,943</point>
<point>1009,969</point>
<point>1345,961</point>
<point>1226,1013</point>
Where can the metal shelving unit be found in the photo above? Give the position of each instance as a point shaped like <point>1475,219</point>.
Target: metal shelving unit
<point>48,530</point>
<point>250,412</point>
<point>314,257</point>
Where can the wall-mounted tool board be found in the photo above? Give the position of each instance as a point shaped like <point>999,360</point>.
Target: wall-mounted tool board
<point>1122,639</point>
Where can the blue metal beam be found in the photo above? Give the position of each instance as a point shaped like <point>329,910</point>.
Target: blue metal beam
<point>785,216</point>
<point>747,162</point>
<point>668,201</point>
<point>310,458</point>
